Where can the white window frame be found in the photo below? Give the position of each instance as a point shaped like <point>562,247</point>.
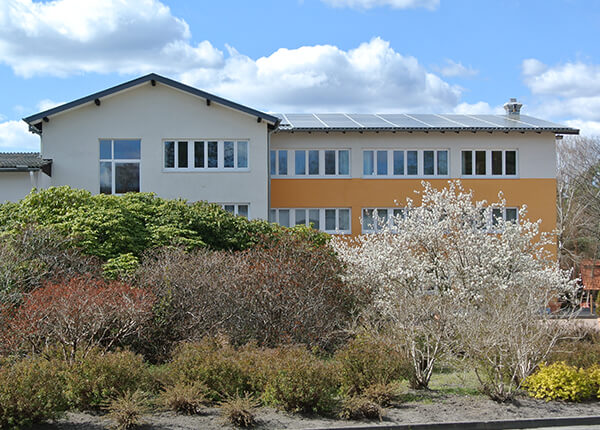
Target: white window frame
<point>191,155</point>
<point>291,163</point>
<point>236,208</point>
<point>420,163</point>
<point>377,229</point>
<point>488,163</point>
<point>491,227</point>
<point>115,161</point>
<point>274,217</point>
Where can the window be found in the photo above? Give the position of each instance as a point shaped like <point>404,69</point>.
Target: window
<point>311,162</point>
<point>205,154</point>
<point>375,219</point>
<point>405,163</point>
<point>330,220</point>
<point>239,209</point>
<point>119,166</point>
<point>489,163</point>
<point>506,214</point>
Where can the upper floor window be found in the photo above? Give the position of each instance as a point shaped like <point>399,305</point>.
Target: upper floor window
<point>329,220</point>
<point>489,162</point>
<point>391,162</point>
<point>310,163</point>
<point>205,154</point>
<point>119,166</point>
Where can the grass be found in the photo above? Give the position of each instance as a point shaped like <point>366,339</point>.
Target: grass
<point>455,382</point>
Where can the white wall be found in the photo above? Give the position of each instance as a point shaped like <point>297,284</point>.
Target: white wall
<point>153,114</point>
<point>536,152</point>
<point>16,185</point>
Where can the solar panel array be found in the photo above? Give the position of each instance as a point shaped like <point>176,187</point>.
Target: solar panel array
<point>341,121</point>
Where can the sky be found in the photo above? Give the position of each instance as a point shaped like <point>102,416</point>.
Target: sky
<point>352,56</point>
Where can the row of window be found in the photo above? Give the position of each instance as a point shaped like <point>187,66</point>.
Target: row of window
<point>201,154</point>
<point>392,163</point>
<point>330,220</point>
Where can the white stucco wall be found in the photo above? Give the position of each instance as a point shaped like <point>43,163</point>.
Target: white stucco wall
<point>16,185</point>
<point>536,152</point>
<point>153,114</point>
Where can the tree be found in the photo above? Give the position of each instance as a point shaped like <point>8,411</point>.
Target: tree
<point>449,276</point>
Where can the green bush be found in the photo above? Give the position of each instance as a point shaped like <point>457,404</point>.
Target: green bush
<point>30,392</point>
<point>365,361</point>
<point>301,382</point>
<point>579,353</point>
<point>358,408</point>
<point>92,380</point>
<point>121,267</point>
<point>215,364</point>
<point>559,381</point>
<point>108,226</point>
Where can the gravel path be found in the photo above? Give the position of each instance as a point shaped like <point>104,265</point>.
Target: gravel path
<point>437,408</point>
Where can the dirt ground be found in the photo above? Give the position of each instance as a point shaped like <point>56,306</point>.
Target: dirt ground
<point>429,409</point>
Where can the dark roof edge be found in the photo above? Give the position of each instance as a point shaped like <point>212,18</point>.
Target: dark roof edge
<point>566,130</point>
<point>158,78</point>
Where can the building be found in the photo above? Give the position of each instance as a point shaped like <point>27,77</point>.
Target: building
<point>332,170</point>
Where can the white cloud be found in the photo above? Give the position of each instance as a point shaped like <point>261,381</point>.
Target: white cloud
<point>46,104</point>
<point>394,4</point>
<point>454,69</point>
<point>568,92</point>
<point>371,77</point>
<point>479,108</point>
<point>66,37</point>
<point>587,128</point>
<point>15,137</point>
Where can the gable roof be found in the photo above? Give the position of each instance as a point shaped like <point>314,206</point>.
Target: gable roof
<point>24,162</point>
<point>416,122</point>
<point>37,118</point>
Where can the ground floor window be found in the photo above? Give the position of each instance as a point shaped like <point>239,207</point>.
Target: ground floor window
<point>239,209</point>
<point>376,219</point>
<point>119,166</point>
<point>329,220</point>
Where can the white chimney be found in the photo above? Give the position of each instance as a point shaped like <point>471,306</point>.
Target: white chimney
<point>513,107</point>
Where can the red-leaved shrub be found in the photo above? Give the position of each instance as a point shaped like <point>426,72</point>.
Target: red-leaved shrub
<point>77,314</point>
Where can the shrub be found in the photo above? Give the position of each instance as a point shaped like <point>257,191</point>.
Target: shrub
<point>92,380</point>
<point>185,398</point>
<point>214,364</point>
<point>365,361</point>
<point>383,394</point>
<point>560,381</point>
<point>240,410</point>
<point>302,383</point>
<point>579,353</point>
<point>126,411</point>
<point>593,374</point>
<point>77,314</point>
<point>358,408</point>
<point>30,392</point>
<point>121,267</point>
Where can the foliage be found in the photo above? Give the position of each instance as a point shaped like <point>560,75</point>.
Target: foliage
<point>358,408</point>
<point>559,381</point>
<point>450,277</point>
<point>186,398</point>
<point>96,378</point>
<point>108,226</point>
<point>33,255</point>
<point>77,314</point>
<point>366,360</point>
<point>302,383</point>
<point>240,410</point>
<point>280,291</point>
<point>579,353</point>
<point>126,411</point>
<point>121,267</point>
<point>383,394</point>
<point>30,392</point>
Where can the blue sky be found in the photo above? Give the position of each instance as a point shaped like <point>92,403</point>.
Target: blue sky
<point>442,56</point>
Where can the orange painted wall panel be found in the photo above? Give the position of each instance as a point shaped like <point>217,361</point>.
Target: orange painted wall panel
<point>538,194</point>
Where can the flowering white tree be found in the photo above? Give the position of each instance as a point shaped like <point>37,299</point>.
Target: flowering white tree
<point>453,274</point>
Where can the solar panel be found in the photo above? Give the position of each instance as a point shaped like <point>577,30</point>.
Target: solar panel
<point>539,122</point>
<point>369,120</point>
<point>434,120</point>
<point>503,121</point>
<point>304,120</point>
<point>337,120</point>
<point>402,121</point>
<point>467,121</point>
